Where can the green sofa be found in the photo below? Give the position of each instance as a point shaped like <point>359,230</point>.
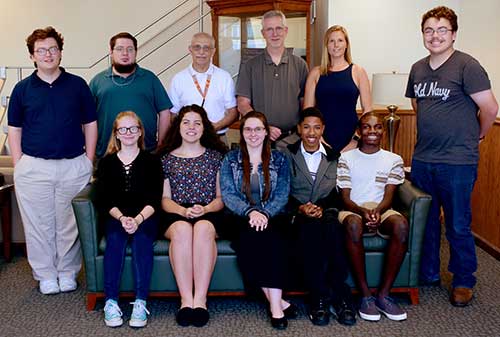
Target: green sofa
<point>226,278</point>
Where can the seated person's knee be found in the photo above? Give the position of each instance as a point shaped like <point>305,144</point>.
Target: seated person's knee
<point>354,228</point>
<point>401,229</point>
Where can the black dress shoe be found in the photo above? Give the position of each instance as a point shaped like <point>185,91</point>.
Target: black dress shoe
<point>184,316</point>
<point>318,312</point>
<point>345,313</point>
<point>291,312</point>
<point>200,317</point>
<point>279,323</point>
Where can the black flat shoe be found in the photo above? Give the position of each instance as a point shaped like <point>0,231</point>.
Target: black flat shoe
<point>291,312</point>
<point>184,316</point>
<point>279,323</point>
<point>200,317</point>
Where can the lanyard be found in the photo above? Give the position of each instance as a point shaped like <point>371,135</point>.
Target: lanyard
<point>207,85</point>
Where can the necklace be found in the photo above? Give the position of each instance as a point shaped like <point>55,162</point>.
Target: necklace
<point>127,80</point>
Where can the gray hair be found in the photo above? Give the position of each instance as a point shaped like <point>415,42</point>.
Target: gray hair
<point>272,14</point>
<point>204,35</point>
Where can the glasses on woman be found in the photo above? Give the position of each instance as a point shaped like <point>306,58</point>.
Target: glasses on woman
<point>133,129</point>
<point>258,129</point>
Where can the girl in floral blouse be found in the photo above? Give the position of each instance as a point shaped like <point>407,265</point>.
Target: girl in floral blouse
<point>192,200</point>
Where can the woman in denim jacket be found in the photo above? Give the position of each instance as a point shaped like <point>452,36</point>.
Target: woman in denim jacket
<point>255,184</point>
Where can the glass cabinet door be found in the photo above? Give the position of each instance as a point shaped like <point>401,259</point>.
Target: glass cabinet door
<point>241,37</point>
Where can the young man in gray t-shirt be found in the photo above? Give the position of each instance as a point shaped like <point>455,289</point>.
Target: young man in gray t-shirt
<point>451,94</point>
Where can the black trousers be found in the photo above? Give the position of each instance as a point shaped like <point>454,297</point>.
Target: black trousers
<point>262,255</point>
<point>321,255</point>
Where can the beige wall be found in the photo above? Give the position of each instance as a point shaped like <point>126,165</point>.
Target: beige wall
<point>385,34</point>
<point>479,35</point>
<point>87,27</point>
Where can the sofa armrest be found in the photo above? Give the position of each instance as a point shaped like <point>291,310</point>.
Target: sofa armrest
<point>415,205</point>
<point>86,220</point>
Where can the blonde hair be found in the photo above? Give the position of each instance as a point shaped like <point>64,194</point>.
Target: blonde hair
<point>114,144</point>
<point>326,62</point>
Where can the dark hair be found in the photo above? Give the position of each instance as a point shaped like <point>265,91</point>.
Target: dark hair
<point>42,34</point>
<point>266,156</point>
<point>122,35</point>
<point>369,114</point>
<point>209,139</point>
<point>441,12</point>
<point>311,112</point>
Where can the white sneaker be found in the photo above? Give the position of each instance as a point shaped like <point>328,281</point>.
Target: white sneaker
<point>67,284</point>
<point>49,287</point>
<point>139,317</point>
<point>112,314</point>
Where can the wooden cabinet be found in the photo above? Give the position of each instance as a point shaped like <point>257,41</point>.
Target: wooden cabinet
<point>236,27</point>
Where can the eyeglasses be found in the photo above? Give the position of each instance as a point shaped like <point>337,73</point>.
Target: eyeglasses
<point>133,129</point>
<point>441,31</point>
<point>120,49</point>
<point>43,51</point>
<point>258,129</point>
<point>278,30</point>
<point>198,48</point>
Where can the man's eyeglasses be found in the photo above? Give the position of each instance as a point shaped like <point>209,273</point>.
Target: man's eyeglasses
<point>133,129</point>
<point>120,49</point>
<point>258,129</point>
<point>441,31</point>
<point>198,48</point>
<point>278,30</point>
<point>43,51</point>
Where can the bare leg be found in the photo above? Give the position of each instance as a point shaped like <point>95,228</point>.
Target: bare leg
<point>180,234</point>
<point>356,250</point>
<point>284,304</point>
<point>274,296</point>
<point>396,227</point>
<point>204,258</point>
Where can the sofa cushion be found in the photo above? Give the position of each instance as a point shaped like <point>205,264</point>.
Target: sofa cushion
<point>374,243</point>
<point>160,247</point>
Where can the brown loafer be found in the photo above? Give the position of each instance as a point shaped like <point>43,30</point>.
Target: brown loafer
<point>461,297</point>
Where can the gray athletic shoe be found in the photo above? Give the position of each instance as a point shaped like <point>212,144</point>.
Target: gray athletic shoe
<point>367,309</point>
<point>390,308</point>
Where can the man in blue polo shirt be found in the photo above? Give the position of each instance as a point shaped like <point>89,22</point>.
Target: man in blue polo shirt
<point>126,86</point>
<point>52,137</point>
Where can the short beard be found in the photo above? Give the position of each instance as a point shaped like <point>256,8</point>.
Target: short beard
<point>124,68</point>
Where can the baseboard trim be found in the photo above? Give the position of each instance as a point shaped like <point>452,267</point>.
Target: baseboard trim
<point>487,246</point>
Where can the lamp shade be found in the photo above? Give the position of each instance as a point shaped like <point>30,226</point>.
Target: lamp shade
<point>390,88</point>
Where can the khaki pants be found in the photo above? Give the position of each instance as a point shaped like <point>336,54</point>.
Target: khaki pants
<point>44,190</point>
<point>369,205</point>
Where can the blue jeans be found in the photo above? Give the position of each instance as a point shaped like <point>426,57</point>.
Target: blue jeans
<point>141,243</point>
<point>450,187</point>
